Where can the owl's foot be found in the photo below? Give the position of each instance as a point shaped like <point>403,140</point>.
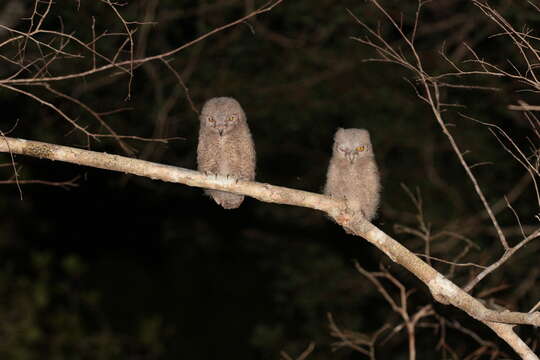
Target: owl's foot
<point>343,219</point>
<point>226,200</point>
<point>232,178</point>
<point>208,173</point>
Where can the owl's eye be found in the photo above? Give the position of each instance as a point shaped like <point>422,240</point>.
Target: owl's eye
<point>360,148</point>
<point>342,149</point>
<point>211,119</point>
<point>232,118</point>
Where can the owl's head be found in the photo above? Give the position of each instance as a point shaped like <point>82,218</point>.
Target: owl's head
<point>352,144</point>
<point>222,115</point>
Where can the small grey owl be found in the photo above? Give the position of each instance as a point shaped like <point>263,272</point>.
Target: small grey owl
<point>352,173</point>
<point>225,146</point>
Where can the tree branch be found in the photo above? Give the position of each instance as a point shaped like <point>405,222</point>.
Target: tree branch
<point>442,289</point>
<point>155,171</point>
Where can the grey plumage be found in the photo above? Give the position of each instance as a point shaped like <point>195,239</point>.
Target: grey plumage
<point>225,146</point>
<point>352,174</point>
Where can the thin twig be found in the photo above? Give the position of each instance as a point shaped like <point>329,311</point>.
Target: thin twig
<point>164,55</point>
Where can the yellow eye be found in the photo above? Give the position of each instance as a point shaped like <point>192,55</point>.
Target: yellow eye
<point>360,148</point>
<point>232,118</point>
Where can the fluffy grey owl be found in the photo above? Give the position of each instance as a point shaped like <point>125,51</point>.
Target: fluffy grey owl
<point>352,173</point>
<point>225,146</point>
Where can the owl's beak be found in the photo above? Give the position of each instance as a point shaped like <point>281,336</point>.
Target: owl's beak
<point>220,131</point>
<point>350,156</point>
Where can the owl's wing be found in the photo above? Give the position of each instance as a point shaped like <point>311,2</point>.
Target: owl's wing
<point>206,159</point>
<point>246,170</point>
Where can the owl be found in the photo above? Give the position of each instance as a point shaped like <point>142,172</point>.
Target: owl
<point>352,174</point>
<point>225,146</point>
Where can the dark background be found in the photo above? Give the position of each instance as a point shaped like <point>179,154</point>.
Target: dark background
<point>126,267</point>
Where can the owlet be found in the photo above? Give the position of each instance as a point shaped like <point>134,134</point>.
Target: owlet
<point>225,146</point>
<point>352,173</point>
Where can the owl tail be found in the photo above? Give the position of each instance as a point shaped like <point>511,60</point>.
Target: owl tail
<point>226,200</point>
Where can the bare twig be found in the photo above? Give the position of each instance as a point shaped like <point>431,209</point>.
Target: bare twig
<point>53,107</point>
<point>136,62</point>
<point>353,340</point>
<point>181,82</point>
<point>524,107</point>
<point>401,308</point>
<point>304,355</point>
<point>505,256</point>
<point>15,172</point>
<point>129,34</point>
<point>64,184</point>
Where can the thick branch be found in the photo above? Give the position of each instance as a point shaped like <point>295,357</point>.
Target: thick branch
<point>260,191</point>
<point>442,289</point>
